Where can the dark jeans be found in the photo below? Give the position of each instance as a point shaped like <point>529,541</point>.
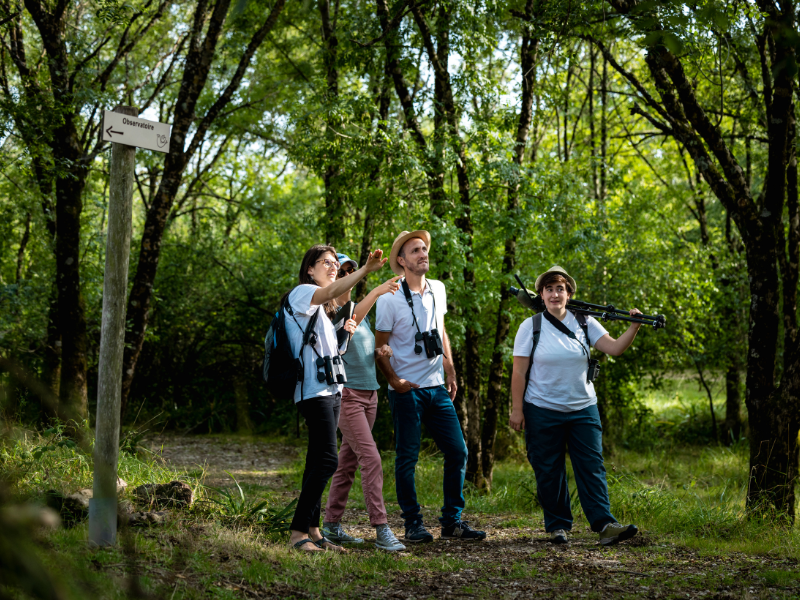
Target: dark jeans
<point>322,458</point>
<point>547,434</point>
<point>433,407</point>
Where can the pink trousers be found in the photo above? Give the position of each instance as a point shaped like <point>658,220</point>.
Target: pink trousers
<point>357,416</point>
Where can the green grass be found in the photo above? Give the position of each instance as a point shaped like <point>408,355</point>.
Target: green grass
<point>688,499</point>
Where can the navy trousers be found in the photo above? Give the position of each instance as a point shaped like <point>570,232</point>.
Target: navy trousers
<point>433,407</point>
<point>547,435</point>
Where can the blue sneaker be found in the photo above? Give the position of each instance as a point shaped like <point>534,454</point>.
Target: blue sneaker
<point>461,531</point>
<point>417,534</point>
<point>336,533</point>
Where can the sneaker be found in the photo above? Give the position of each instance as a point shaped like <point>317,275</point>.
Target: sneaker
<point>461,531</point>
<point>335,533</point>
<point>416,533</point>
<point>613,533</point>
<point>386,539</point>
<point>559,536</point>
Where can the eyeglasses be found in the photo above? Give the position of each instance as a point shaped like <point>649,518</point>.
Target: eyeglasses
<point>329,263</point>
<point>348,270</point>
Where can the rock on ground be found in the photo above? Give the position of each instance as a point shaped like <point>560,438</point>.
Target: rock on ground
<point>164,495</point>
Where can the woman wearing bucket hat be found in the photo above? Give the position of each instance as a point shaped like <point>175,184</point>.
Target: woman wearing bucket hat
<point>554,401</point>
<point>358,413</point>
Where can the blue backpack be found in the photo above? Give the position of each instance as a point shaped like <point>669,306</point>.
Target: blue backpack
<point>281,369</point>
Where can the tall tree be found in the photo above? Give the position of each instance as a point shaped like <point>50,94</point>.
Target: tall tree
<point>52,108</point>
<point>439,59</point>
<point>772,243</point>
<point>495,393</point>
<point>198,63</point>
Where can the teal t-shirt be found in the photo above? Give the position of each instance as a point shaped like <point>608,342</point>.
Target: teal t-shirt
<point>360,359</point>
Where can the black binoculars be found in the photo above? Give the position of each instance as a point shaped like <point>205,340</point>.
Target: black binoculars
<point>432,342</point>
<point>332,370</point>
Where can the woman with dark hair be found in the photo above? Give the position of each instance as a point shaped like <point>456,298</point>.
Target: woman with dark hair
<point>317,397</point>
<point>554,401</point>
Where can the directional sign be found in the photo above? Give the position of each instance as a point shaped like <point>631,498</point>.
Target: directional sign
<point>132,131</point>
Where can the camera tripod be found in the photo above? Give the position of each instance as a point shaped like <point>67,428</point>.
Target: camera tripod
<point>606,312</point>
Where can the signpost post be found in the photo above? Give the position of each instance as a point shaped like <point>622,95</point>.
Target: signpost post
<point>127,132</point>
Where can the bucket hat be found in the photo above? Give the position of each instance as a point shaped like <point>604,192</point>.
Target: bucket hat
<point>560,271</point>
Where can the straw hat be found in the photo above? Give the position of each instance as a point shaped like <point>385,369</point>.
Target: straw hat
<point>560,271</point>
<point>398,244</point>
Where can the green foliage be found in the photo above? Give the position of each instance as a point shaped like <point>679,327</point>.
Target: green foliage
<point>236,508</point>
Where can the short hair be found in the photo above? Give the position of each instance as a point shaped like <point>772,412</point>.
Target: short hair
<point>554,277</point>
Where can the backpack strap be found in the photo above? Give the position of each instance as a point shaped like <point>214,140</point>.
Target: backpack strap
<point>301,365</point>
<point>584,325</point>
<point>536,322</point>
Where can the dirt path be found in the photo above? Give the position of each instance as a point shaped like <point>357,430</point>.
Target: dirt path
<point>512,563</point>
<point>250,460</point>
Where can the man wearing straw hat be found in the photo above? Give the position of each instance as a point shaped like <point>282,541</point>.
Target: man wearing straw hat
<point>422,386</point>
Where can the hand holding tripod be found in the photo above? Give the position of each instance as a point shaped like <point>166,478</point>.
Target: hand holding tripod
<point>606,312</point>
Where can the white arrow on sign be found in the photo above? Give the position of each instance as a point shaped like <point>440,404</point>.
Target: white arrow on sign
<point>132,131</point>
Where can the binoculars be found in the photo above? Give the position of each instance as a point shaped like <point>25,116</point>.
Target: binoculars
<point>332,370</point>
<point>432,342</point>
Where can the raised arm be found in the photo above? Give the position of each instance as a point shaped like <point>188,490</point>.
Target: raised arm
<point>612,347</point>
<point>340,286</point>
<point>390,286</point>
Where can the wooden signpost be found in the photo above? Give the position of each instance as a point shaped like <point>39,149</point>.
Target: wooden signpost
<point>126,132</point>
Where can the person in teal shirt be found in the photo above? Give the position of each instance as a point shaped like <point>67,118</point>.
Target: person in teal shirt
<point>359,410</point>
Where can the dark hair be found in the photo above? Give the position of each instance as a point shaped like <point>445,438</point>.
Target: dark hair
<point>309,260</point>
<point>555,277</point>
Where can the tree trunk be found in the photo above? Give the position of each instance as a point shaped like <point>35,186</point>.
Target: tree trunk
<point>71,312</point>
<point>450,111</point>
<point>197,67</point>
<point>495,392</point>
<point>374,178</point>
<point>732,426</point>
<point>51,369</point>
<point>23,244</point>
<point>334,203</point>
<point>773,412</point>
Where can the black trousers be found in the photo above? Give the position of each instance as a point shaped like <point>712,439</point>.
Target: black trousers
<point>322,458</point>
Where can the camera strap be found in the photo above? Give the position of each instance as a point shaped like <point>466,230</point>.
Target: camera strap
<point>568,332</point>
<point>409,299</point>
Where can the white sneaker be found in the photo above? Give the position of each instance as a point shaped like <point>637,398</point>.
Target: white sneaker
<point>613,533</point>
<point>559,536</point>
<point>386,540</point>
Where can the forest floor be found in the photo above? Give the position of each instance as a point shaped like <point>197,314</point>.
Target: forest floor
<point>197,558</point>
<point>685,493</point>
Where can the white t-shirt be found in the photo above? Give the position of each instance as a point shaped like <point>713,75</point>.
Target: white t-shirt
<point>394,316</point>
<point>300,301</point>
<point>558,376</point>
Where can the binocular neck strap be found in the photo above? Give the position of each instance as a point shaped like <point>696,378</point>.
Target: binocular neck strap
<point>407,294</point>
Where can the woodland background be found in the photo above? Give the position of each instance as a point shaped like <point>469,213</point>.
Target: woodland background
<point>646,146</point>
